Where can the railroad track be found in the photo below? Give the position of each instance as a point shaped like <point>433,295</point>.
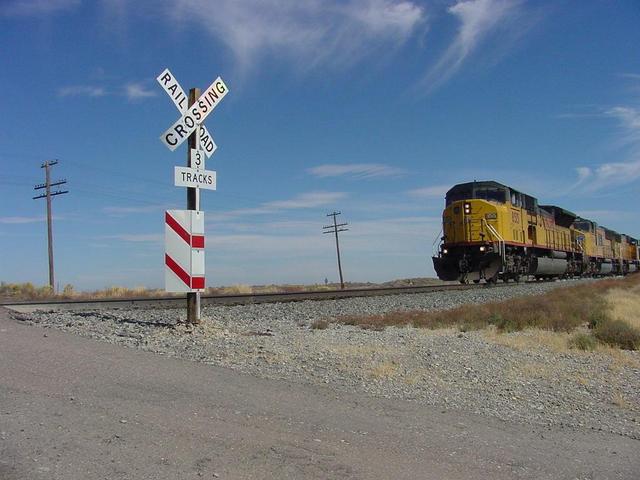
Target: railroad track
<point>241,299</point>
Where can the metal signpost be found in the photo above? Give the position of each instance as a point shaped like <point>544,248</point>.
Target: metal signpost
<point>184,229</point>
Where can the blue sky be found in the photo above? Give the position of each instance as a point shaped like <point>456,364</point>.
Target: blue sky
<point>370,107</point>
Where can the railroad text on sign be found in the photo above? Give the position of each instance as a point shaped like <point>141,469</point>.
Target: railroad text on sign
<point>170,85</point>
<point>206,141</point>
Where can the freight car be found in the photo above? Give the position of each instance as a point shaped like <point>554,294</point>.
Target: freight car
<point>491,231</point>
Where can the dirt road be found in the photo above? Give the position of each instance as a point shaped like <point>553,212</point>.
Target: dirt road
<point>72,408</point>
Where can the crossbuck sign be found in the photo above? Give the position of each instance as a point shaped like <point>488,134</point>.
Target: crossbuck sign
<point>170,85</point>
<point>193,116</point>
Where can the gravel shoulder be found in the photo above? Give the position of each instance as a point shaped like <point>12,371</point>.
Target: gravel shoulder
<point>475,372</point>
<point>72,408</point>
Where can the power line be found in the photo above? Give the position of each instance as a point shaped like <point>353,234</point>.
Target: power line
<point>48,195</point>
<point>335,229</point>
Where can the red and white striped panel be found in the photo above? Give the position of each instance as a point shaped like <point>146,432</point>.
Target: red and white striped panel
<point>184,251</point>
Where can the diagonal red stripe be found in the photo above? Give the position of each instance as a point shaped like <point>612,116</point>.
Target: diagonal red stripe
<point>176,227</point>
<point>178,270</point>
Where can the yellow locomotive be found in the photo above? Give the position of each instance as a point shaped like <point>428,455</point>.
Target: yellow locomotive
<point>492,231</point>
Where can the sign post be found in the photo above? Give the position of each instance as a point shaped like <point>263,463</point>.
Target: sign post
<point>193,203</point>
<point>180,242</point>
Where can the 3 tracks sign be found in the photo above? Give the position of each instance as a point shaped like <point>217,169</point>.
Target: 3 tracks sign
<point>184,229</point>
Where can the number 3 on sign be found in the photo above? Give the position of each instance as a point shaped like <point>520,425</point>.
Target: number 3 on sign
<point>197,159</point>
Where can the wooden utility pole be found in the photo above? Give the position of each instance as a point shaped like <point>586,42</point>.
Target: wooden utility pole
<point>335,228</point>
<point>193,203</point>
<point>48,194</point>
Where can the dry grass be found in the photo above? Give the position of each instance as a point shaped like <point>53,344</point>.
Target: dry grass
<point>625,305</point>
<point>583,341</point>
<point>238,289</point>
<point>619,359</point>
<point>20,291</point>
<point>320,325</point>
<point>617,333</point>
<point>27,291</point>
<point>562,310</point>
<point>357,352</point>
<point>242,289</point>
<point>533,370</point>
<point>529,339</point>
<point>580,380</point>
<point>121,292</point>
<point>618,400</point>
<point>384,370</point>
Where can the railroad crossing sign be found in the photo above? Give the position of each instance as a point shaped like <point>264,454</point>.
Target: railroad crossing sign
<point>194,115</point>
<point>184,229</point>
<point>170,85</point>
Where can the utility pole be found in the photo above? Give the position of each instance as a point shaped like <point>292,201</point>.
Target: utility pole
<point>335,228</point>
<point>193,203</point>
<point>48,194</point>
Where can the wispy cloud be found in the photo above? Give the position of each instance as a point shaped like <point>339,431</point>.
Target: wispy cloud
<point>137,91</point>
<point>632,76</point>
<point>27,8</point>
<point>82,91</point>
<point>435,191</point>
<point>136,237</point>
<point>20,220</point>
<point>327,32</point>
<point>132,91</point>
<point>122,211</point>
<point>307,200</point>
<point>478,20</point>
<point>617,173</point>
<point>302,201</point>
<point>608,175</point>
<point>629,120</point>
<point>356,170</point>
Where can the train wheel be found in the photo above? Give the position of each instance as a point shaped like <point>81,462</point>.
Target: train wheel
<point>516,278</point>
<point>492,280</point>
<point>477,280</point>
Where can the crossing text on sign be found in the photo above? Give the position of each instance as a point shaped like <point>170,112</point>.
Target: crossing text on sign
<point>195,115</point>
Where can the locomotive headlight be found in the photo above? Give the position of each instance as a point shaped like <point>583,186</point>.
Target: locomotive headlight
<point>467,208</point>
<point>482,248</point>
<point>445,251</point>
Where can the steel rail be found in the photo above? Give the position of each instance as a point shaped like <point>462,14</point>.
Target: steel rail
<point>237,299</point>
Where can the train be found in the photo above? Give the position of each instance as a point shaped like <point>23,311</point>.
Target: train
<point>493,232</point>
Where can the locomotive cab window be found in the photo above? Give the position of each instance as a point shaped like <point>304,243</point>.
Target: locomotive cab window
<point>516,199</point>
<point>491,194</point>
<point>457,194</point>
